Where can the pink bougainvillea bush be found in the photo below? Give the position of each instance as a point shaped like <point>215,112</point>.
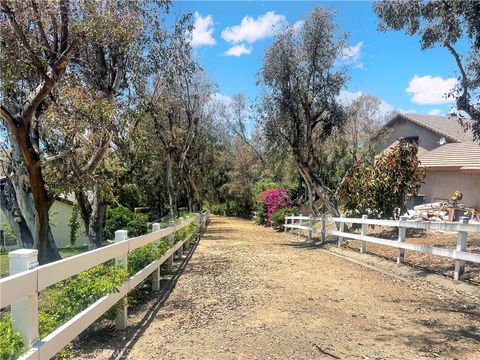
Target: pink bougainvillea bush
<point>273,200</point>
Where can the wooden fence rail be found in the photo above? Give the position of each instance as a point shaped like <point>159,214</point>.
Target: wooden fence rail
<point>460,254</point>
<point>20,290</point>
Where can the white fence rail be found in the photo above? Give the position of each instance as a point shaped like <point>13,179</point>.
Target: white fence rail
<point>460,254</point>
<point>20,290</point>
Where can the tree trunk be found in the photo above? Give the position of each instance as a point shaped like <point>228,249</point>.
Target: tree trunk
<point>189,196</point>
<point>29,218</point>
<point>171,193</point>
<point>317,187</point>
<point>93,214</point>
<point>9,206</point>
<point>32,197</point>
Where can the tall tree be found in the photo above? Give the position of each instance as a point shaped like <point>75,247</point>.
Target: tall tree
<point>37,45</point>
<point>444,23</point>
<point>237,118</point>
<point>111,65</point>
<point>60,98</point>
<point>299,106</point>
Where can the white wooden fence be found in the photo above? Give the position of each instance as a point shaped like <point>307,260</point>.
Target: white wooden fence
<point>460,254</point>
<point>20,290</point>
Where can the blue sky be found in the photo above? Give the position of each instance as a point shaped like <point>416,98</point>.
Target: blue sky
<point>231,36</point>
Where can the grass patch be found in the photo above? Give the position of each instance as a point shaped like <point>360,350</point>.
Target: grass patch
<point>3,265</point>
<point>65,252</point>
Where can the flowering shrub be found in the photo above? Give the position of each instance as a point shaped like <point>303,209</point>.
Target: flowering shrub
<point>272,200</point>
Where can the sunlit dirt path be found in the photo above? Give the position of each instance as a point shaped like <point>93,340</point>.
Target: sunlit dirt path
<point>251,293</point>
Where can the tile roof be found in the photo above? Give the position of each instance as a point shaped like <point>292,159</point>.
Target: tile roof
<point>447,126</point>
<point>453,156</point>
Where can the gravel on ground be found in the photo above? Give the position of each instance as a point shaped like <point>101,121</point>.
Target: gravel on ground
<point>248,292</point>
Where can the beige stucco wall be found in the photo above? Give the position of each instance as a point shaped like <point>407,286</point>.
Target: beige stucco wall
<point>60,213</point>
<point>440,185</point>
<point>404,128</point>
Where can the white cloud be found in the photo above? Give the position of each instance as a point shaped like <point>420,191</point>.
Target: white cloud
<point>251,30</point>
<point>238,50</point>
<point>202,33</point>
<point>297,26</point>
<point>352,53</point>
<point>435,112</point>
<point>430,90</point>
<point>347,97</point>
<point>219,97</point>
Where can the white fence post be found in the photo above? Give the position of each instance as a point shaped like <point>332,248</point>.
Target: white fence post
<point>171,242</point>
<point>461,246</point>
<point>402,231</point>
<point>156,273</point>
<point>310,226</point>
<point>324,229</point>
<point>363,244</point>
<point>25,310</point>
<point>121,321</point>
<point>286,223</point>
<point>342,229</point>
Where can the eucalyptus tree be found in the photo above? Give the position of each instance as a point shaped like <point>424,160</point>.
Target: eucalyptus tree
<point>63,65</point>
<point>300,108</point>
<point>238,118</point>
<point>176,104</point>
<point>114,65</point>
<point>447,23</point>
<point>38,41</point>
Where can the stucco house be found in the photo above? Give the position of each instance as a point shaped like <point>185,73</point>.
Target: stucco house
<point>448,153</point>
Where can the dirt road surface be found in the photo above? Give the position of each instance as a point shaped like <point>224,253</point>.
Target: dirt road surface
<point>251,293</point>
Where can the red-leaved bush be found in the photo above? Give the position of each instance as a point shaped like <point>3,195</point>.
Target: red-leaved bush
<point>273,200</point>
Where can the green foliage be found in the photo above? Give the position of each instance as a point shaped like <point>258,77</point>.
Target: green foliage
<point>130,196</point>
<point>9,236</point>
<point>263,185</point>
<point>218,209</point>
<point>121,218</point>
<point>278,218</point>
<point>74,224</point>
<point>11,344</point>
<point>141,257</point>
<point>77,293</point>
<point>184,232</point>
<point>379,188</point>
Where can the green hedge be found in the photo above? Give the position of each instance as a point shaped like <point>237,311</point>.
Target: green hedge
<point>278,218</point>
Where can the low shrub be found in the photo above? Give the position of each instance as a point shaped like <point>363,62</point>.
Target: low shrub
<point>77,293</point>
<point>121,218</point>
<point>141,257</point>
<point>11,344</point>
<point>63,301</point>
<point>277,220</point>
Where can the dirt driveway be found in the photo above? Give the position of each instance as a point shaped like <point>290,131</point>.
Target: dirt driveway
<point>251,293</point>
